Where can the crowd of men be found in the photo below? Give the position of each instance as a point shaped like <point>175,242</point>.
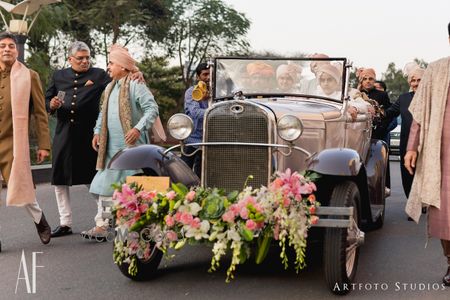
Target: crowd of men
<point>98,113</point>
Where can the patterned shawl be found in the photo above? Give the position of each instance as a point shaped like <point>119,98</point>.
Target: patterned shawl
<point>124,116</point>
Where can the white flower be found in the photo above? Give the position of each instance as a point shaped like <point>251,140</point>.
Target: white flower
<point>198,233</point>
<point>233,235</point>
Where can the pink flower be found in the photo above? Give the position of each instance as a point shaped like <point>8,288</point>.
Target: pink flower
<point>169,220</point>
<point>235,209</point>
<point>186,218</point>
<point>177,216</point>
<point>228,216</point>
<point>312,210</point>
<point>250,224</point>
<point>314,219</point>
<point>171,195</point>
<point>286,201</point>
<point>276,231</point>
<point>244,213</point>
<point>143,208</point>
<point>195,223</point>
<point>171,235</point>
<point>190,196</point>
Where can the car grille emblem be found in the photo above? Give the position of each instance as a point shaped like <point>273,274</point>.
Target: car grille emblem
<point>237,109</point>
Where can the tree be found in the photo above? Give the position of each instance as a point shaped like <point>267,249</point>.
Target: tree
<point>165,84</point>
<point>204,28</point>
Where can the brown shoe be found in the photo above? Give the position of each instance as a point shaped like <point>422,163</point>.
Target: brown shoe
<point>43,229</point>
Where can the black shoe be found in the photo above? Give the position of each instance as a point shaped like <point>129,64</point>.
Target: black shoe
<point>424,210</point>
<point>446,279</point>
<point>61,231</point>
<point>44,230</point>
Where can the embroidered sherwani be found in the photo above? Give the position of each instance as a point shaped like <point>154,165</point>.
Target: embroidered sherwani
<point>430,136</point>
<point>144,111</point>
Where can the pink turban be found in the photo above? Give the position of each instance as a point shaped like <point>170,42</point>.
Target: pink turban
<point>330,70</point>
<point>416,72</point>
<point>120,55</point>
<point>292,70</point>
<point>260,68</point>
<point>362,72</point>
<point>319,55</point>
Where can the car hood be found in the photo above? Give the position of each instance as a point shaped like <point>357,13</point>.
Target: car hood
<point>301,107</point>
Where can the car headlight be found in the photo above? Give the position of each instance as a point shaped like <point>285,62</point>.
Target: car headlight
<point>289,128</point>
<point>180,126</point>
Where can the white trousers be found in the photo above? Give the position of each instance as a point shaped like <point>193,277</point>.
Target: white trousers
<point>99,220</point>
<point>32,209</point>
<point>63,201</point>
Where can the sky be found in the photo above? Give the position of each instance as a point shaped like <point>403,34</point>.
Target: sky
<point>369,33</point>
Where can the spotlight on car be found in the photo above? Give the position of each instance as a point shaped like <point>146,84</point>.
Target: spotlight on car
<point>289,128</point>
<point>180,126</point>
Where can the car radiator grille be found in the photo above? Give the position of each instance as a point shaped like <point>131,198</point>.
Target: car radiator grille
<point>229,166</point>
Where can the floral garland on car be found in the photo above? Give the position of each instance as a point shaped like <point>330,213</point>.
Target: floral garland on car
<point>240,222</point>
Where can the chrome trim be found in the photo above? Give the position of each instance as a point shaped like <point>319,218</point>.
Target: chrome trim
<point>271,129</point>
<point>241,144</point>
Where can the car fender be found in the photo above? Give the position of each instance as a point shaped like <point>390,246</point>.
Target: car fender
<point>376,164</point>
<point>153,161</point>
<point>336,161</point>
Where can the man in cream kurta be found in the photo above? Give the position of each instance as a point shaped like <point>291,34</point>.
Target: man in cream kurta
<point>21,94</point>
<point>428,151</point>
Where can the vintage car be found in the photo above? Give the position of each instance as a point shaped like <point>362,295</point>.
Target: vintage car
<point>257,126</point>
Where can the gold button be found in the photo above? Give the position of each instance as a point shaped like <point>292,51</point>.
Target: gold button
<point>74,96</point>
<point>75,81</point>
<point>73,103</point>
<point>72,112</point>
<point>76,74</point>
<point>75,88</point>
<point>71,120</point>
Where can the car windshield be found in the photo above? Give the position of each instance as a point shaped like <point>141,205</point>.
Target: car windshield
<point>280,77</point>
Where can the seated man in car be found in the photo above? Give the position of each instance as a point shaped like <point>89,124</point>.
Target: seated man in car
<point>329,79</point>
<point>288,78</point>
<point>261,77</point>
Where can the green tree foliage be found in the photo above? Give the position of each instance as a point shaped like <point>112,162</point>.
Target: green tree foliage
<point>395,81</point>
<point>204,28</point>
<point>165,84</point>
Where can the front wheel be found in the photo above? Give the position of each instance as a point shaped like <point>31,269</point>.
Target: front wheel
<point>146,269</point>
<point>341,249</point>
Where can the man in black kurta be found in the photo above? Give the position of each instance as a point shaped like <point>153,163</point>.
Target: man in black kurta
<point>73,160</point>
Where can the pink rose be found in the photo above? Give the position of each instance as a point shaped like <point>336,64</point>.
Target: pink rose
<point>228,216</point>
<point>169,220</point>
<point>171,235</point>
<point>186,218</point>
<point>171,195</point>
<point>312,210</point>
<point>143,208</point>
<point>190,196</point>
<point>244,213</point>
<point>177,216</point>
<point>250,224</point>
<point>195,223</point>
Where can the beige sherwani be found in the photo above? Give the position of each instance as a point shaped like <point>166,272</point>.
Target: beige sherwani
<point>428,108</point>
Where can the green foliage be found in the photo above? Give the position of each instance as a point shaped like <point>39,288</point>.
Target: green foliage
<point>165,84</point>
<point>200,31</point>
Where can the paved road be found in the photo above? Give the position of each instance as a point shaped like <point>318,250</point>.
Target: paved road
<point>393,259</point>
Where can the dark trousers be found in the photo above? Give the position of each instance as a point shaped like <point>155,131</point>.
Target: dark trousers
<point>195,161</point>
<point>407,178</point>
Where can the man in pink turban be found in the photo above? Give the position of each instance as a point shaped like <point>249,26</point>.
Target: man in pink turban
<point>288,77</point>
<point>329,80</point>
<point>128,111</point>
<point>261,76</point>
